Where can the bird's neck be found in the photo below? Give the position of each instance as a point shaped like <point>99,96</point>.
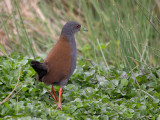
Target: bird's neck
<point>70,40</point>
<point>67,37</point>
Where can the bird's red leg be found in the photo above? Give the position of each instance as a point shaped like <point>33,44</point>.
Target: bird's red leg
<point>53,90</point>
<point>51,95</point>
<point>59,102</point>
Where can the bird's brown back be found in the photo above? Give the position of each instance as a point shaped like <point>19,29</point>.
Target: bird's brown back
<point>58,61</point>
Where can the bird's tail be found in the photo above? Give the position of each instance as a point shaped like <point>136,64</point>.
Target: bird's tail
<point>40,68</point>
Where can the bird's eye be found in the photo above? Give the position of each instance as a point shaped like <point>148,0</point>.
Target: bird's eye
<point>78,26</point>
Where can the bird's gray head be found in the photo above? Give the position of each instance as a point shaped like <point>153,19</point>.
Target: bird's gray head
<point>70,28</point>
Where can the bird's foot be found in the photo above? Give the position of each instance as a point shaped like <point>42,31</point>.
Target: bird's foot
<point>59,107</point>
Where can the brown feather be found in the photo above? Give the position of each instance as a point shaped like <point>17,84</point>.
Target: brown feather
<point>58,61</point>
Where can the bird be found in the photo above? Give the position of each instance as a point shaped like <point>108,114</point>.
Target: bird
<point>60,63</point>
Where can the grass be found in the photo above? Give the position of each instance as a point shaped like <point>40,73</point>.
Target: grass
<point>93,92</point>
<point>130,34</point>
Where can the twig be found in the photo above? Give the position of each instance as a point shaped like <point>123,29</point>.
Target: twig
<point>15,93</point>
<point>147,93</point>
<point>13,89</point>
<point>103,55</point>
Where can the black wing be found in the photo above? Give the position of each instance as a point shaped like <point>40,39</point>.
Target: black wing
<point>40,68</point>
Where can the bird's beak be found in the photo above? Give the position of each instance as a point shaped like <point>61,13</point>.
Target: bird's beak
<point>83,29</point>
